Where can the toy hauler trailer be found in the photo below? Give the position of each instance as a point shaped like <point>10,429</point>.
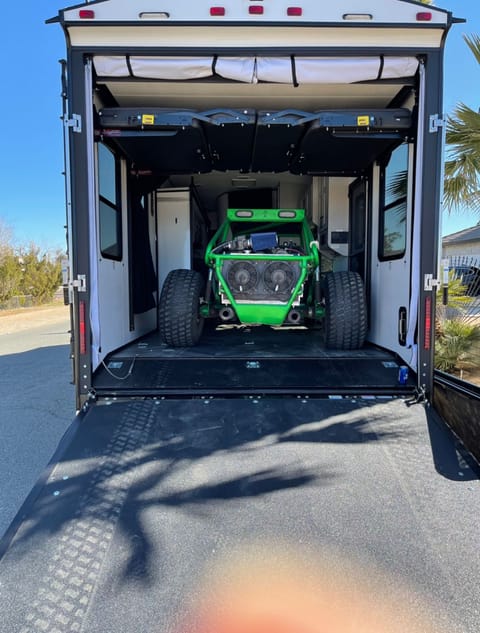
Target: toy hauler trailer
<point>253,195</point>
<point>175,114</point>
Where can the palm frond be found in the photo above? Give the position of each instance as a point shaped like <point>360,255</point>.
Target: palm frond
<point>397,187</point>
<point>463,129</point>
<point>458,193</point>
<point>473,42</point>
<point>462,167</point>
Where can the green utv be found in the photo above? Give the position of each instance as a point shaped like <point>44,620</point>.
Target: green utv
<point>264,269</point>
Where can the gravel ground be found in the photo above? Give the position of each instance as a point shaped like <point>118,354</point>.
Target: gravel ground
<point>12,321</point>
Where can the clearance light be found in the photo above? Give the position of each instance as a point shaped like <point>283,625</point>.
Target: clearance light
<point>358,16</point>
<point>255,9</point>
<point>424,16</point>
<point>86,14</point>
<point>294,11</point>
<point>287,214</point>
<point>244,213</point>
<point>217,10</point>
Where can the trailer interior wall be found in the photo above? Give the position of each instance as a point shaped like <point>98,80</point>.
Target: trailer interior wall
<point>116,323</point>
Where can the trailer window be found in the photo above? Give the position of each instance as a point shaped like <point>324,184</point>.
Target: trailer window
<point>110,215</point>
<point>393,212</point>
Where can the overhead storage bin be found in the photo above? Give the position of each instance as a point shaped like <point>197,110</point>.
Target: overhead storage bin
<point>336,141</point>
<point>158,140</point>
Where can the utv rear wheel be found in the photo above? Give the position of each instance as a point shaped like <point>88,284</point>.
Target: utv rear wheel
<point>345,311</point>
<point>179,311</point>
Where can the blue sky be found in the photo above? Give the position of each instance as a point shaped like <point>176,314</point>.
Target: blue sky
<point>31,163</point>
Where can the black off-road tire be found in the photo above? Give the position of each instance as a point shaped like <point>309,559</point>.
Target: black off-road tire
<point>345,311</point>
<point>179,317</point>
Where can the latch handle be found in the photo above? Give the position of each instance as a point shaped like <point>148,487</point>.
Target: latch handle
<point>431,282</point>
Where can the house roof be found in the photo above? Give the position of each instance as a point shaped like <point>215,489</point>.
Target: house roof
<point>467,235</point>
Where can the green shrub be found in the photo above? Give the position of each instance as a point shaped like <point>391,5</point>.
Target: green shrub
<point>27,274</point>
<point>453,347</point>
<point>10,276</point>
<point>41,277</point>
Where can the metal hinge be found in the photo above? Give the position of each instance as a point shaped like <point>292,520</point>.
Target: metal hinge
<point>436,122</point>
<point>431,283</point>
<point>80,283</point>
<point>75,123</point>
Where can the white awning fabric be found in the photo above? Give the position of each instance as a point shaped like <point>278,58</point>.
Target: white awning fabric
<point>288,70</point>
<point>237,68</point>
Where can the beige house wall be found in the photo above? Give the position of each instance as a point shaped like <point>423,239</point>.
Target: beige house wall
<point>462,249</point>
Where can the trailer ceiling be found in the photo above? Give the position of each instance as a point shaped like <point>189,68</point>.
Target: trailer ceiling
<point>206,95</point>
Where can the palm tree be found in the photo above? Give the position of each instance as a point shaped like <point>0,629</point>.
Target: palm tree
<point>462,169</point>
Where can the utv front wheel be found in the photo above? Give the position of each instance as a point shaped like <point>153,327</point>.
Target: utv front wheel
<point>179,317</point>
<point>345,311</point>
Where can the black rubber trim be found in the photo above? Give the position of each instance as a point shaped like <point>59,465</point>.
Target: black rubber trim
<point>380,69</point>
<point>302,51</point>
<point>333,25</point>
<point>294,72</point>
<point>129,66</point>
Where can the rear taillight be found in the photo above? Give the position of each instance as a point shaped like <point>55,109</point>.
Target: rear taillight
<point>82,328</point>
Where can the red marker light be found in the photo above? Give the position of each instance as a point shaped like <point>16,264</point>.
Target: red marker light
<point>427,343</point>
<point>82,328</point>
<point>255,9</point>
<point>86,14</point>
<point>294,11</point>
<point>217,10</point>
<point>424,16</point>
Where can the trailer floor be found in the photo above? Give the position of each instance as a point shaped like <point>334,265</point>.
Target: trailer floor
<point>232,360</point>
<point>150,496</point>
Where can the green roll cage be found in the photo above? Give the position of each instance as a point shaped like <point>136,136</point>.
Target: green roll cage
<point>303,298</point>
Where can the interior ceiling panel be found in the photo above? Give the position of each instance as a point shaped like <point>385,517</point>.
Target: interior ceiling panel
<point>209,95</point>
